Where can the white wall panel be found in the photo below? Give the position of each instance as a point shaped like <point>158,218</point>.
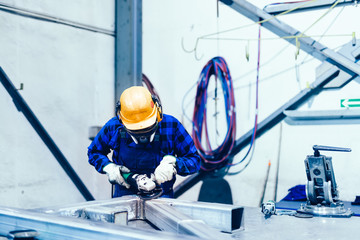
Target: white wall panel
<point>68,77</point>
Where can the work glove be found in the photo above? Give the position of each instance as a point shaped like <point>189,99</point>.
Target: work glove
<point>166,170</point>
<point>114,171</point>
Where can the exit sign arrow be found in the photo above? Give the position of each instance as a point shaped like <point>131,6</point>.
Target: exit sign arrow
<point>350,103</point>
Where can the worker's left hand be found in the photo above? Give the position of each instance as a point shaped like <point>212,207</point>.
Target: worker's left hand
<point>166,170</point>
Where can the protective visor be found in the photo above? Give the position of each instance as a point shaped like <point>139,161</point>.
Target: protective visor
<point>145,135</point>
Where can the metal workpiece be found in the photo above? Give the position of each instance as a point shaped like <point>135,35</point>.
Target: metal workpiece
<point>224,217</point>
<point>166,213</point>
<point>107,214</point>
<point>113,210</point>
<point>204,220</point>
<point>55,227</point>
<point>167,218</point>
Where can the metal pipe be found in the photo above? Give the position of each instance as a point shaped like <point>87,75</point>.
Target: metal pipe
<point>224,217</point>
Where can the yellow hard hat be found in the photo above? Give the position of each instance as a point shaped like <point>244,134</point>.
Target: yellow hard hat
<point>137,108</point>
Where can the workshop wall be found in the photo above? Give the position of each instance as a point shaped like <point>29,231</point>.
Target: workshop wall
<point>68,77</point>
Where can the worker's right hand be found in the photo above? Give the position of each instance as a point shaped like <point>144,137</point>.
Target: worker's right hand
<point>114,171</point>
<point>166,169</point>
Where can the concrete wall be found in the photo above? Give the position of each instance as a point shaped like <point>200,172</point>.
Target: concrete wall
<point>68,81</point>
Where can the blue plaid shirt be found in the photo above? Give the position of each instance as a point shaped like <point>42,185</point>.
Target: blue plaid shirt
<point>174,138</point>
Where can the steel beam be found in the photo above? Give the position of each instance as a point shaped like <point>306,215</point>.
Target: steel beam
<point>105,210</point>
<point>281,29</point>
<point>128,45</point>
<point>324,117</point>
<point>307,44</point>
<point>59,227</point>
<point>23,107</point>
<point>305,6</point>
<point>205,220</point>
<point>225,217</point>
<point>166,218</point>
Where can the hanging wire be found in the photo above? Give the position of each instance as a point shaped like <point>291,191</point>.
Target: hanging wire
<point>214,158</point>
<point>194,50</point>
<point>321,17</point>
<point>276,38</point>
<point>252,143</point>
<point>297,66</point>
<point>301,35</point>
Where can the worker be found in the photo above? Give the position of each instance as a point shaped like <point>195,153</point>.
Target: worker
<point>144,141</point>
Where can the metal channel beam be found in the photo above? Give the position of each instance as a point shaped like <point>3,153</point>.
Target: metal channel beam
<point>23,107</point>
<point>204,220</point>
<point>166,218</point>
<point>128,45</point>
<point>105,210</point>
<point>301,6</point>
<point>59,227</point>
<point>225,217</point>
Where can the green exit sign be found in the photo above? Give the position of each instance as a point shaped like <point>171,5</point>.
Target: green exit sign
<point>347,103</point>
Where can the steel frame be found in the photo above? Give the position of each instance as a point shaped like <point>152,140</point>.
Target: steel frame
<point>307,44</point>
<point>128,45</point>
<point>204,220</point>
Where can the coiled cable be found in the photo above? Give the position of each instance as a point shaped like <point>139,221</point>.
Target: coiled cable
<point>214,158</point>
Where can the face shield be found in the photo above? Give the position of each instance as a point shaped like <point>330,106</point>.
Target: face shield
<point>143,136</point>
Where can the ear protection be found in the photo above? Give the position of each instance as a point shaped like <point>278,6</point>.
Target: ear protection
<point>117,110</point>
<point>158,106</point>
<point>156,101</point>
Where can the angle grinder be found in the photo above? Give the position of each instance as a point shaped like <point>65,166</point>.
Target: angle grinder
<point>146,187</point>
